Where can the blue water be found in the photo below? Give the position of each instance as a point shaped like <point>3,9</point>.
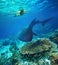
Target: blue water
<point>10,26</point>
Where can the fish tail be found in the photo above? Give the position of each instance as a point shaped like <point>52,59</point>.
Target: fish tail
<point>34,22</point>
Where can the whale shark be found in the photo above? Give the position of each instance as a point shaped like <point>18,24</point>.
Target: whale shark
<point>26,35</point>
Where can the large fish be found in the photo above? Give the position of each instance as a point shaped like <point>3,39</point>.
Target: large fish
<point>27,34</point>
<point>45,29</point>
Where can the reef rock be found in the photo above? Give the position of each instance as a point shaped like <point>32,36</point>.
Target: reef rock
<point>13,46</point>
<point>54,37</point>
<point>54,59</point>
<point>39,46</point>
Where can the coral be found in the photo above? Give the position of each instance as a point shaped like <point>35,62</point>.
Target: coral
<point>13,47</point>
<point>3,60</point>
<point>53,54</point>
<point>37,52</point>
<point>54,37</point>
<point>45,61</point>
<point>38,46</point>
<point>54,57</point>
<point>40,52</point>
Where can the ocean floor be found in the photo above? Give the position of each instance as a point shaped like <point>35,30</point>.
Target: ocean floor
<point>41,51</point>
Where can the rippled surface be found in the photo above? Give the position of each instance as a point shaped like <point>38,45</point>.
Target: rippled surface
<point>11,6</point>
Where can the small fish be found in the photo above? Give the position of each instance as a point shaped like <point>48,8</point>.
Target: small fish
<point>27,34</point>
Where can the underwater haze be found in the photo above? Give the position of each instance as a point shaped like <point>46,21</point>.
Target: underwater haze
<point>11,24</point>
<point>28,32</point>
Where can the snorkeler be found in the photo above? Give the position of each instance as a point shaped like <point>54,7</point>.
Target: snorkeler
<point>20,12</point>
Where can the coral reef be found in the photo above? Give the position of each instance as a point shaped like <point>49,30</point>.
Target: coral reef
<point>41,45</point>
<point>13,46</point>
<point>54,37</point>
<point>41,51</point>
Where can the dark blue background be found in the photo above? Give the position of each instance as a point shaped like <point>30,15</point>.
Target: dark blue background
<point>11,26</point>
